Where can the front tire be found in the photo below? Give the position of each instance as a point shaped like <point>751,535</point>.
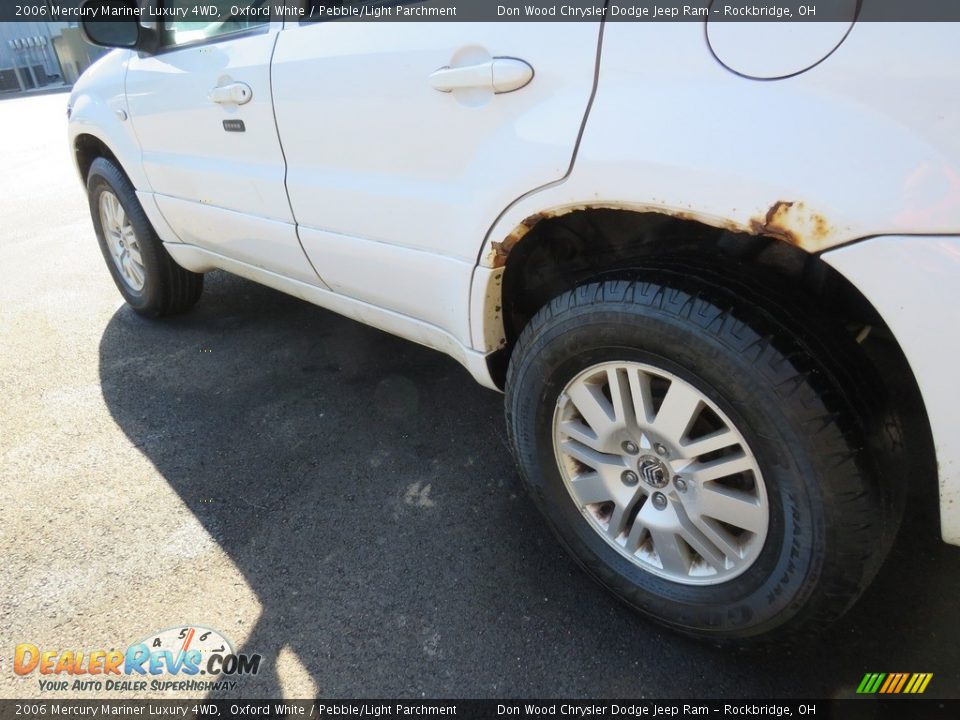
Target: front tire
<point>143,271</point>
<point>697,458</point>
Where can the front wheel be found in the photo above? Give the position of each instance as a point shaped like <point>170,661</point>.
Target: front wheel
<point>696,458</point>
<point>143,271</point>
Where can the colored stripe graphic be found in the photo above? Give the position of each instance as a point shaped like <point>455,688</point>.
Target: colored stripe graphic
<point>866,685</point>
<point>899,687</point>
<point>894,683</point>
<point>892,680</point>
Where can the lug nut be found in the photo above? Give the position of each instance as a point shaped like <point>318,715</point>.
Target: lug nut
<point>659,501</point>
<point>680,484</point>
<point>630,448</point>
<point>629,477</point>
<point>661,449</point>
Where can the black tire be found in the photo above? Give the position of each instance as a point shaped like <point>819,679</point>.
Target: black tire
<point>832,513</point>
<point>167,289</point>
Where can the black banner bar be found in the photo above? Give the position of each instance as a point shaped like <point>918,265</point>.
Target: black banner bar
<point>872,708</point>
<point>497,10</point>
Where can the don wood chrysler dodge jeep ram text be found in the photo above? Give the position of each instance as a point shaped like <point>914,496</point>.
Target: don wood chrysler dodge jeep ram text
<point>714,267</point>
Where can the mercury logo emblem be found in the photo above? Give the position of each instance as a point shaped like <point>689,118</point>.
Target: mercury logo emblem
<point>652,471</point>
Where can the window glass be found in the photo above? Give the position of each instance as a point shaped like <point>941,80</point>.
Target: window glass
<point>232,16</point>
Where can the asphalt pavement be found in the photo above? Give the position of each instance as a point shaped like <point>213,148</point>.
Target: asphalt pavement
<point>336,499</point>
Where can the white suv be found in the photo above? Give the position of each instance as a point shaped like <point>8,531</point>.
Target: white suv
<point>713,266</point>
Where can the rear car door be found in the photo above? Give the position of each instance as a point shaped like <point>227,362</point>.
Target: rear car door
<point>405,141</point>
<point>202,112</point>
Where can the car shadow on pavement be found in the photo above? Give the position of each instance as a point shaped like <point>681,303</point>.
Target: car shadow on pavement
<point>363,487</point>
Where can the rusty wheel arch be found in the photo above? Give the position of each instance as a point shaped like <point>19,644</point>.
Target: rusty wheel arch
<point>789,221</point>
<point>553,250</point>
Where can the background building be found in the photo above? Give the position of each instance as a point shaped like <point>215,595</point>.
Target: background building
<point>41,54</point>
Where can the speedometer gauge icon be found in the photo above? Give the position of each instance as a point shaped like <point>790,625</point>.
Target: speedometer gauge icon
<point>186,638</point>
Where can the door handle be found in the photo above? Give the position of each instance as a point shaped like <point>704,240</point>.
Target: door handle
<point>500,74</point>
<point>236,92</point>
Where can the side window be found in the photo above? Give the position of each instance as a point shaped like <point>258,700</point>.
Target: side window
<point>232,16</point>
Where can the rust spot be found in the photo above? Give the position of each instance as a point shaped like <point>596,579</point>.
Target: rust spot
<point>820,226</point>
<point>791,222</point>
<point>696,217</point>
<point>502,249</point>
<point>773,224</point>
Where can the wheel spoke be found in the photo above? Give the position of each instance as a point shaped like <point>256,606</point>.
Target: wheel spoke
<point>591,488</point>
<point>590,457</point>
<point>720,468</point>
<point>113,244</point>
<point>136,272</point>
<point>617,523</point>
<point>621,395</point>
<point>596,410</point>
<point>679,409</point>
<point>733,507</point>
<point>576,430</point>
<point>723,540</point>
<point>637,535</point>
<point>641,395</point>
<point>113,207</point>
<point>669,548</point>
<point>125,267</point>
<point>723,438</point>
<point>106,214</point>
<point>706,548</point>
<point>134,250</point>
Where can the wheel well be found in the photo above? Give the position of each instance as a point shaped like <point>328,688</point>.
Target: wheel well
<point>87,149</point>
<point>560,252</point>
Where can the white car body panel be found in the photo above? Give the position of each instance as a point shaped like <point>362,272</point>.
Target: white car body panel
<point>409,229</point>
<point>418,331</point>
<point>428,286</point>
<point>913,284</point>
<point>847,123</point>
<point>260,241</point>
<point>374,152</point>
<point>96,104</point>
<point>392,182</point>
<point>185,151</point>
<point>97,107</point>
<point>194,165</point>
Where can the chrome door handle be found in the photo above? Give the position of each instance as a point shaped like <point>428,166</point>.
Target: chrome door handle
<point>237,93</point>
<point>500,74</point>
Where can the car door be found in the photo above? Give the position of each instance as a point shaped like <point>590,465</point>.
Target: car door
<point>202,112</point>
<point>405,141</point>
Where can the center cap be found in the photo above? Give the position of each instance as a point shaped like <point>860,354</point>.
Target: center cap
<point>653,471</point>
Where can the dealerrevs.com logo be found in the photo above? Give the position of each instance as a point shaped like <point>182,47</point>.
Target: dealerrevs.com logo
<point>189,658</point>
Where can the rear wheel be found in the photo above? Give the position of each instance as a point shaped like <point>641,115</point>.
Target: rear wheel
<point>147,277</point>
<point>697,458</point>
